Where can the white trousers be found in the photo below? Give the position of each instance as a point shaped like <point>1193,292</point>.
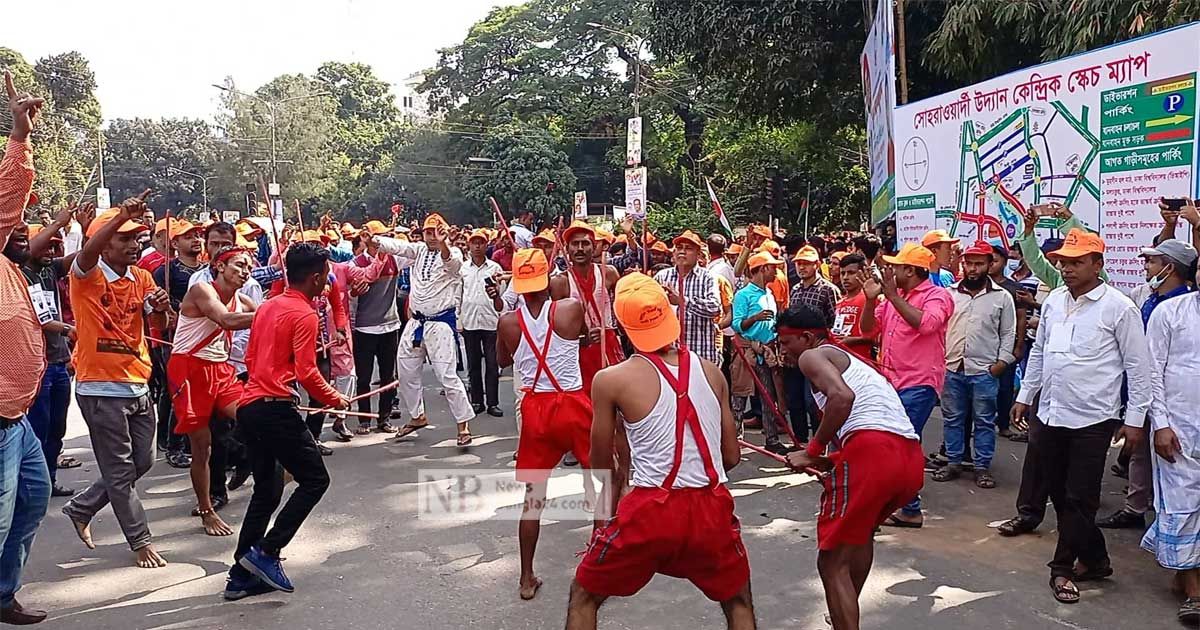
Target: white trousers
<point>439,347</point>
<point>345,385</point>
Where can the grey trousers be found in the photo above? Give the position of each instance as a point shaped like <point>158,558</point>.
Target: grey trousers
<point>1141,481</point>
<point>122,433</point>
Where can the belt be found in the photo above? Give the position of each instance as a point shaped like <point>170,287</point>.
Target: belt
<point>274,399</point>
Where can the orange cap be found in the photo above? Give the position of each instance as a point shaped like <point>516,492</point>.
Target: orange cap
<point>1079,243</point>
<point>621,238</point>
<point>578,226</point>
<point>248,230</point>
<point>913,255</point>
<point>161,225</point>
<point>333,235</point>
<point>933,237</point>
<point>36,228</point>
<point>348,230</point>
<point>108,215</point>
<point>433,221</point>
<point>531,272</point>
<point>808,254</point>
<point>376,228</point>
<point>660,247</point>
<point>605,235</point>
<point>545,236</point>
<point>838,256</point>
<point>244,243</point>
<point>179,227</point>
<point>771,246</point>
<point>735,249</point>
<point>645,313</point>
<point>761,230</point>
<point>688,236</point>
<point>481,234</point>
<point>314,236</point>
<point>762,258</point>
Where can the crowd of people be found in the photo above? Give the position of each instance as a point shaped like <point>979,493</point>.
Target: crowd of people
<point>235,349</point>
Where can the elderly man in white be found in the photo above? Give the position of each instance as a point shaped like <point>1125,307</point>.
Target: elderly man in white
<point>1174,538</point>
<point>430,332</point>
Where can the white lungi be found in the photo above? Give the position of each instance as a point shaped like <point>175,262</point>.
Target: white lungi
<point>439,347</point>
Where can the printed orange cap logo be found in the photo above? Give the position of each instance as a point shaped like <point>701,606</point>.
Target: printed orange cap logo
<point>645,313</point>
<point>1079,243</point>
<point>531,272</point>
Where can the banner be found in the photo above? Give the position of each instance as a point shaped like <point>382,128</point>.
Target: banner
<point>581,204</point>
<point>633,142</point>
<point>1106,133</point>
<point>635,192</point>
<point>878,65</point>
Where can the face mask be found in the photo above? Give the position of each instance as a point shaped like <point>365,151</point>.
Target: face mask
<point>1158,280</point>
<point>1011,267</point>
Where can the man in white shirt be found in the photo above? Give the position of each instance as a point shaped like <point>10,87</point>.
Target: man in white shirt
<point>478,318</point>
<point>522,229</point>
<point>430,333</point>
<point>1089,338</point>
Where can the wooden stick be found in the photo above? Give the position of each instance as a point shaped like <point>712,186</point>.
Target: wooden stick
<point>500,215</point>
<point>645,247</point>
<point>762,392</point>
<point>300,219</point>
<point>156,340</point>
<point>392,385</point>
<point>336,412</point>
<point>779,458</point>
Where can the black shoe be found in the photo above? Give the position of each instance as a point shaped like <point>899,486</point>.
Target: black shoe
<point>1015,527</point>
<point>324,450</point>
<point>1023,436</point>
<point>777,448</point>
<point>179,459</point>
<point>341,433</point>
<point>495,412</point>
<point>238,479</point>
<point>1122,519</point>
<point>477,408</point>
<point>59,491</point>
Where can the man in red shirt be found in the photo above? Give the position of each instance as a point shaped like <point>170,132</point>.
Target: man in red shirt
<point>282,353</point>
<point>847,322</point>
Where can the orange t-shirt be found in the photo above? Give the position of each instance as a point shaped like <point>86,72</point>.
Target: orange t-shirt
<point>779,290</point>
<point>110,320</point>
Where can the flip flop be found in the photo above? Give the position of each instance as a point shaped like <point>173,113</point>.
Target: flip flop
<point>66,461</point>
<point>892,521</point>
<point>1065,593</point>
<point>464,439</point>
<point>409,429</point>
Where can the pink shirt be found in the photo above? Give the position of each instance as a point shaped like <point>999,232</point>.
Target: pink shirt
<point>911,357</point>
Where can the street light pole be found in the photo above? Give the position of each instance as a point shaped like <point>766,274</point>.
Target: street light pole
<point>203,183</point>
<point>272,110</point>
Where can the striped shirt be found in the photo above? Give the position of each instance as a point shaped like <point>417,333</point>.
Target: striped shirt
<point>703,304</point>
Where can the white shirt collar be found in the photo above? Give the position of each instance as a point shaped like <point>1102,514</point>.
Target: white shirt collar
<point>110,275</point>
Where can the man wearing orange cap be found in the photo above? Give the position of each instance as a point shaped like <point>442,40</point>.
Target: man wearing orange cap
<point>541,339</point>
<point>111,298</point>
<point>754,310</point>
<point>155,256</point>
<point>912,322</point>
<point>377,324</point>
<point>692,290</point>
<point>812,291</point>
<point>187,242</point>
<point>430,334</point>
<point>942,245</point>
<point>678,519</point>
<point>592,284</point>
<point>1090,339</point>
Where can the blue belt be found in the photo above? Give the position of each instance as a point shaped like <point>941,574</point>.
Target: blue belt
<point>448,317</point>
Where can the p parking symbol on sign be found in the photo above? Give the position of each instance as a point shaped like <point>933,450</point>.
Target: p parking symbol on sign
<point>1173,103</point>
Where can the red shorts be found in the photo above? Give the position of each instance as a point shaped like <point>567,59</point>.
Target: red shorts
<point>874,474</point>
<point>553,424</point>
<point>591,361</point>
<point>689,533</point>
<point>198,389</point>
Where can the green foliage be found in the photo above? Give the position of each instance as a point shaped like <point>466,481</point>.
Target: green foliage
<point>142,153</point>
<point>527,161</point>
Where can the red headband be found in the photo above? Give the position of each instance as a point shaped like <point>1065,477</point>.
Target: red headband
<point>226,254</point>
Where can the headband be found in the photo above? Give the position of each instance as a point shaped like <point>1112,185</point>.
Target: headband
<point>229,252</point>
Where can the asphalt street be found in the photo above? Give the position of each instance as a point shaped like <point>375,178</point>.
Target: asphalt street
<point>364,559</point>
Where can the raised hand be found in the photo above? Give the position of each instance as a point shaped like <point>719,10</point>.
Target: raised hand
<point>24,107</point>
<point>870,284</point>
<point>133,208</point>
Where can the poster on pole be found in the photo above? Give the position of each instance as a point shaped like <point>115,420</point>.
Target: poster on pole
<point>103,200</point>
<point>878,65</point>
<point>635,192</point>
<point>231,216</point>
<point>581,204</point>
<point>618,214</point>
<point>1105,133</point>
<point>633,142</point>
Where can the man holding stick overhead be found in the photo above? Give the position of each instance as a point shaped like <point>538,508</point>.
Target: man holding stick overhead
<point>282,352</point>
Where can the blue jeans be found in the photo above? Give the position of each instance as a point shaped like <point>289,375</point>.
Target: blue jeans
<point>918,403</point>
<point>48,415</point>
<point>976,396</point>
<point>24,495</point>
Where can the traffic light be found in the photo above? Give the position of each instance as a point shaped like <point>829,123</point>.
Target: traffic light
<point>769,188</point>
<point>251,200</point>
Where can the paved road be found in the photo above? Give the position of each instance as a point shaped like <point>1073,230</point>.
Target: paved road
<point>364,561</point>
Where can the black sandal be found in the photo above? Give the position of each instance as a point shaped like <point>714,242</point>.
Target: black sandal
<point>1015,527</point>
<point>892,521</point>
<point>1189,610</point>
<point>984,479</point>
<point>1065,593</point>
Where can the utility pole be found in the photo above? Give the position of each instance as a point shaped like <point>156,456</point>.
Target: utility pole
<point>901,55</point>
<point>203,183</point>
<point>272,111</point>
<point>100,155</point>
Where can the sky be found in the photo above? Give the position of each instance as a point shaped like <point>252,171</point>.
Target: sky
<point>159,58</point>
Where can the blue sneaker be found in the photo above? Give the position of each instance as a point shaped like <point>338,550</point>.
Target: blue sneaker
<point>238,587</point>
<point>267,568</point>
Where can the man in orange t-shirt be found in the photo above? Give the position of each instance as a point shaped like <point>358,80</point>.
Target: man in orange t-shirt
<point>111,297</point>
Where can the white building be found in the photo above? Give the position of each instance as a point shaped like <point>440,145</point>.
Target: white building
<point>413,105</point>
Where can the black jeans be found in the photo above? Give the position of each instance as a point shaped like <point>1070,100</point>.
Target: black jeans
<point>1033,493</point>
<point>485,378</point>
<point>277,436</point>
<point>370,349</point>
<point>1073,462</point>
<point>218,460</point>
<point>800,410</point>
<point>161,397</point>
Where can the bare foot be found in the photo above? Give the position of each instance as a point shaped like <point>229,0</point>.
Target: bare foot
<point>214,526</point>
<point>84,531</point>
<point>530,588</point>
<point>148,558</point>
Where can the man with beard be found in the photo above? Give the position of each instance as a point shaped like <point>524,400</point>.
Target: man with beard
<point>111,298</point>
<point>979,342</point>
<point>592,285</point>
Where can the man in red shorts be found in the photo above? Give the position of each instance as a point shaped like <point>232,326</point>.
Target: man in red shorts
<point>678,520</point>
<point>877,465</point>
<point>200,378</point>
<point>542,339</point>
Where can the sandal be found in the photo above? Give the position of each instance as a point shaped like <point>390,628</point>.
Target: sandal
<point>1189,611</point>
<point>410,428</point>
<point>892,521</point>
<point>385,427</point>
<point>984,479</point>
<point>363,430</point>
<point>949,472</point>
<point>66,461</point>
<point>1065,593</point>
<point>464,439</point>
<point>1015,527</point>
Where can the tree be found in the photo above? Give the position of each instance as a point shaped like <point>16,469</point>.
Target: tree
<point>529,172</point>
<point>143,153</point>
<point>70,81</point>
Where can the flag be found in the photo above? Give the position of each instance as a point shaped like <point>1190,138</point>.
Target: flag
<point>712,194</point>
